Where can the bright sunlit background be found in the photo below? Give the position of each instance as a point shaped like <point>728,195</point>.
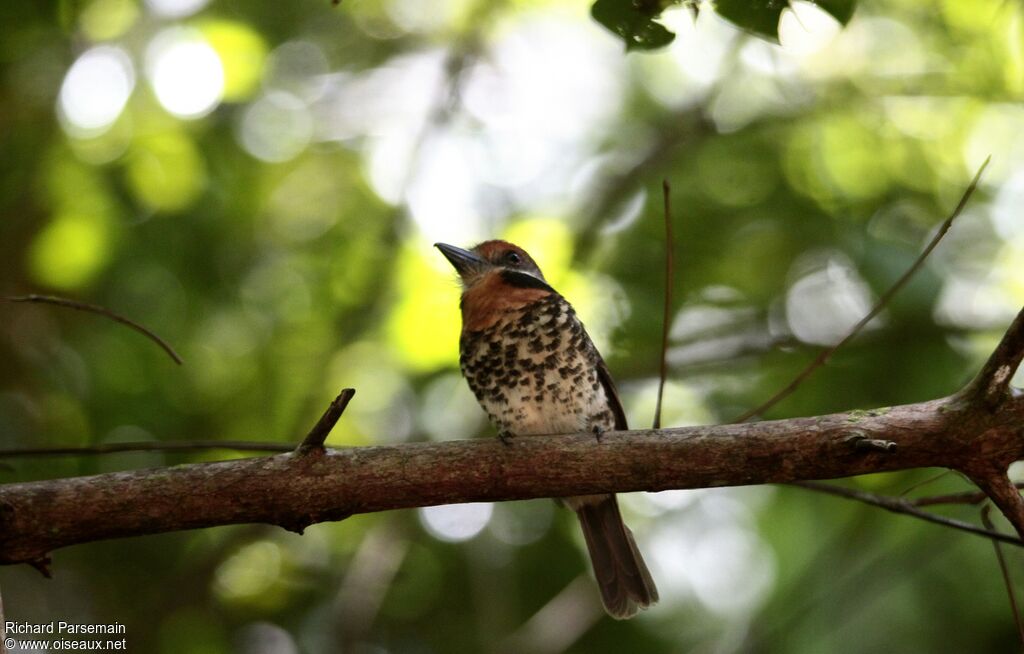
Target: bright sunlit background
<point>260,182</point>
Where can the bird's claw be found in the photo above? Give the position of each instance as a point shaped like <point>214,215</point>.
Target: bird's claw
<point>598,432</point>
<point>505,437</point>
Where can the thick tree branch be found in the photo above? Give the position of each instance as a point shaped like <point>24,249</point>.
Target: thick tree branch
<point>1003,493</point>
<point>992,385</point>
<point>985,394</point>
<point>988,392</point>
<point>979,431</point>
<point>294,491</point>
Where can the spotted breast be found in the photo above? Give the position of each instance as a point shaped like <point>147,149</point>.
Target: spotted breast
<point>535,371</point>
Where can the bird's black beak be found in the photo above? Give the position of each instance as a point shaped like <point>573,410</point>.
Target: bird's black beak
<point>466,262</point>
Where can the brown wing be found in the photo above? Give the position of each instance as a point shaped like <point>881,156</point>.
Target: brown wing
<point>612,394</point>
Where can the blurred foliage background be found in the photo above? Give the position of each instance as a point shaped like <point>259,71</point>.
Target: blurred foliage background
<point>260,182</point>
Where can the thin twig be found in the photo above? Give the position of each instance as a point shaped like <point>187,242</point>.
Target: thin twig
<point>684,130</point>
<point>670,244</point>
<point>987,521</point>
<point>827,353</point>
<point>147,446</point>
<point>905,507</point>
<point>316,436</point>
<point>968,497</point>
<point>103,311</point>
<point>314,440</point>
<point>924,482</point>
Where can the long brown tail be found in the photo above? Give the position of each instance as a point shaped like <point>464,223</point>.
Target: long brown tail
<point>626,585</point>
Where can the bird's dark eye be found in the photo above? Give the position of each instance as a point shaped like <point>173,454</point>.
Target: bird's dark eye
<point>513,258</point>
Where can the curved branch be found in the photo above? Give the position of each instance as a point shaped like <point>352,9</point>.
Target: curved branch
<point>102,311</point>
<point>1005,572</point>
<point>907,507</point>
<point>293,491</point>
<point>825,354</point>
<point>966,497</point>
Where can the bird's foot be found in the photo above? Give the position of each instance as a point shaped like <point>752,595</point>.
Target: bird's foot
<point>505,437</point>
<point>598,432</point>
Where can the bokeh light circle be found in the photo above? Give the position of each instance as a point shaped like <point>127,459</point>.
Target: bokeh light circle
<point>456,522</point>
<point>96,89</point>
<point>185,72</point>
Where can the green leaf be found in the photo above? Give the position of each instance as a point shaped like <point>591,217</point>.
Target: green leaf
<point>762,16</point>
<point>841,10</point>
<point>758,16</point>
<point>634,21</point>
